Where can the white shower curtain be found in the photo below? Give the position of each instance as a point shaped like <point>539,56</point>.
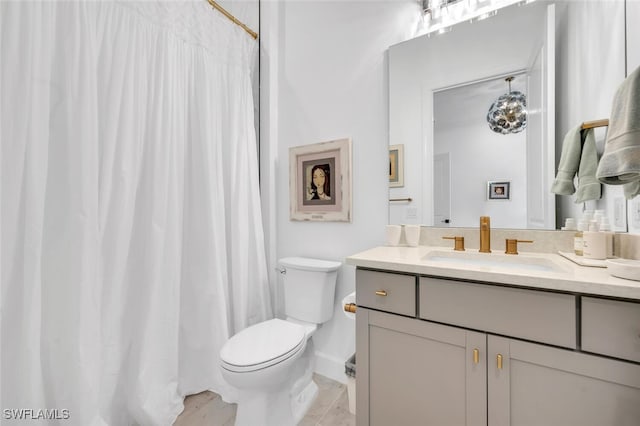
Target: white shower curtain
<point>131,236</point>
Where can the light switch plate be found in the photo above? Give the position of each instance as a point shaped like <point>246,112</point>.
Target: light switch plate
<point>635,213</point>
<point>619,214</point>
<point>411,213</point>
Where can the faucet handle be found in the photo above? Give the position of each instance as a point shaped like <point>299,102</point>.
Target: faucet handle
<point>511,245</point>
<point>458,242</point>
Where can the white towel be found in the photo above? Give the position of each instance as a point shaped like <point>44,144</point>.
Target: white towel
<point>620,162</point>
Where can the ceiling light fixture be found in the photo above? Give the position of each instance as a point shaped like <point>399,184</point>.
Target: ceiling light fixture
<point>484,16</point>
<point>439,14</point>
<point>508,114</point>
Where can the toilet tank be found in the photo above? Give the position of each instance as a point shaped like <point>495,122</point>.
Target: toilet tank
<point>309,288</point>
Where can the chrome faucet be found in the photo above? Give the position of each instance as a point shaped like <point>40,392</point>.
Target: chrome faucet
<point>485,234</point>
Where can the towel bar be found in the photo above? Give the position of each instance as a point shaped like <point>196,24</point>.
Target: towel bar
<point>596,123</point>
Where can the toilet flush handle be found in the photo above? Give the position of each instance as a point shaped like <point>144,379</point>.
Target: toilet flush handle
<point>283,271</point>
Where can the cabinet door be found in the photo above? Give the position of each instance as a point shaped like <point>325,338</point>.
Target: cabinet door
<point>413,372</point>
<point>542,385</point>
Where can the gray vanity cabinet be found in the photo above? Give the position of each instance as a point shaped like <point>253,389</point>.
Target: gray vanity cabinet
<point>414,372</point>
<point>446,352</point>
<point>542,385</point>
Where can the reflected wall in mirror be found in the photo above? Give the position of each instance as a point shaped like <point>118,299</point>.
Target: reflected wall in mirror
<point>468,155</point>
<point>579,45</point>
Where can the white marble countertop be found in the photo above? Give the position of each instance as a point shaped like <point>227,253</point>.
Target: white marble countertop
<point>497,267</point>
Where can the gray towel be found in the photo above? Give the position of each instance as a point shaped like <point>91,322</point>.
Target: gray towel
<point>620,162</point>
<point>578,156</point>
<point>588,186</point>
<point>631,189</point>
<point>569,163</point>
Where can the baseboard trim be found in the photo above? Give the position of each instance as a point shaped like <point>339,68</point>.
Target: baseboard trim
<point>331,367</point>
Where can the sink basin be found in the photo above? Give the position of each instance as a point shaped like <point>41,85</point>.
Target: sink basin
<point>494,261</point>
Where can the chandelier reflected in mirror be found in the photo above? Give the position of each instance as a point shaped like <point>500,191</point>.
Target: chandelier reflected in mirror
<point>508,114</point>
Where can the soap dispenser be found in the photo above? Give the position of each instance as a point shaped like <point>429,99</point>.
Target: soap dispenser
<point>583,225</point>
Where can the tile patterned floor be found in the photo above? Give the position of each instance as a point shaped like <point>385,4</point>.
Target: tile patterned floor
<point>331,408</point>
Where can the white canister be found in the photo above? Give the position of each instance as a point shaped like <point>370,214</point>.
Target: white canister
<point>594,245</point>
<point>412,235</point>
<point>392,235</point>
<point>609,243</point>
<point>605,228</point>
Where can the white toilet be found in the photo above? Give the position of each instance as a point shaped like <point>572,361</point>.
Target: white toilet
<point>271,363</point>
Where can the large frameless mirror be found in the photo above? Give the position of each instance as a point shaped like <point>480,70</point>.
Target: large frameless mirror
<point>442,86</point>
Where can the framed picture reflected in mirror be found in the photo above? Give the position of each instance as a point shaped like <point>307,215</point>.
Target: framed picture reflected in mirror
<point>499,190</point>
<point>396,166</point>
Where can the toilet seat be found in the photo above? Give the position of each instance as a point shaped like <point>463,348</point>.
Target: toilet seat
<point>262,345</point>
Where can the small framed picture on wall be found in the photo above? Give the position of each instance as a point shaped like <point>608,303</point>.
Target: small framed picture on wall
<point>396,166</point>
<point>499,190</point>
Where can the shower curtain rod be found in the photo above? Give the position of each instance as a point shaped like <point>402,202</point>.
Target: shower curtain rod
<point>233,19</point>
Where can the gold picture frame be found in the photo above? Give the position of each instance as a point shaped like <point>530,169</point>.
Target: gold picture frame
<point>396,166</point>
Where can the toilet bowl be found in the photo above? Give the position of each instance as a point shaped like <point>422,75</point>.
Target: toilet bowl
<point>271,363</point>
<point>253,359</point>
<point>263,362</point>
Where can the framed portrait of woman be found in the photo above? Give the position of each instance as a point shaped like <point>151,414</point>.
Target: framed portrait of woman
<point>320,181</point>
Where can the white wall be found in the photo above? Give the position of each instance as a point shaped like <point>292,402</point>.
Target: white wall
<point>633,62</point>
<point>324,77</point>
<point>585,96</point>
<point>477,155</point>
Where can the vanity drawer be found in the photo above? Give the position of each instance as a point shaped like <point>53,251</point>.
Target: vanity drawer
<point>527,314</point>
<point>396,293</point>
<point>611,327</point>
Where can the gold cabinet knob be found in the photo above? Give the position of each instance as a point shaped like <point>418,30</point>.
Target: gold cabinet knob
<point>458,244</point>
<point>381,293</point>
<point>511,245</point>
<point>476,356</point>
<point>499,362</point>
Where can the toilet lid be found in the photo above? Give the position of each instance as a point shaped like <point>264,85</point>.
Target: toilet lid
<point>263,344</point>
